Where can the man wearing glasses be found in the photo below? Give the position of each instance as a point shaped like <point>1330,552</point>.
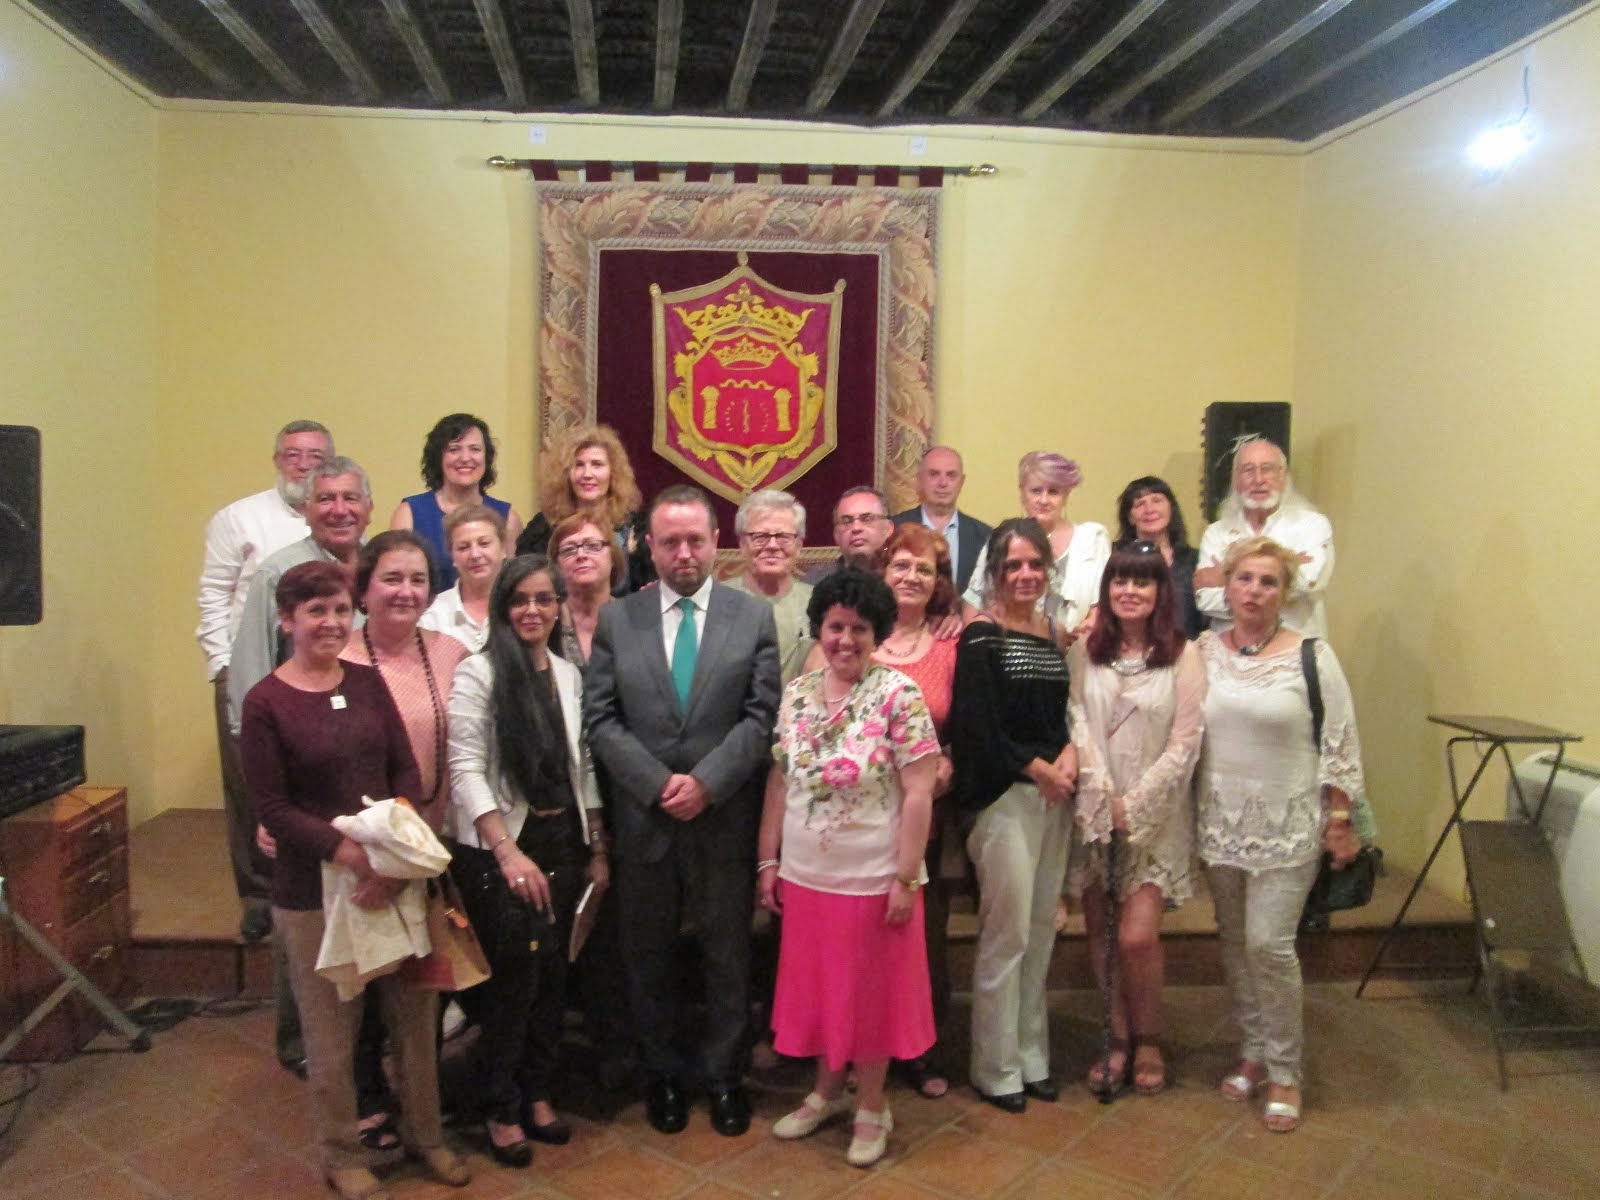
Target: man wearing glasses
<point>238,538</point>
<point>861,526</point>
<point>1264,503</point>
<point>771,527</point>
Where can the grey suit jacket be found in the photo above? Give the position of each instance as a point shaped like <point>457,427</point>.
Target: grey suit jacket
<point>973,535</point>
<point>639,735</point>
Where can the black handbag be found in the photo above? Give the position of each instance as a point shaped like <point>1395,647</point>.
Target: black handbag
<point>1351,885</point>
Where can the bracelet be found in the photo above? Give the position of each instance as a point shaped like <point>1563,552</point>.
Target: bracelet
<point>1339,814</point>
<point>910,885</point>
<point>765,863</point>
<point>504,837</point>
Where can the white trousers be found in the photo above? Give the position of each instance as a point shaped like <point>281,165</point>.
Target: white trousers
<point>1019,848</point>
<point>1258,915</point>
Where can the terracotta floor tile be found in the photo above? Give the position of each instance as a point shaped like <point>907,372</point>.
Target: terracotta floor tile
<point>278,1177</point>
<point>714,1191</point>
<point>1140,1152</point>
<point>102,1183</point>
<point>1536,1162</point>
<point>1059,1179</point>
<point>623,1174</point>
<point>1456,1140</point>
<point>804,1170</point>
<point>1310,1153</point>
<point>184,1163</point>
<point>879,1186</point>
<point>1045,1129</point>
<point>1229,1178</point>
<point>1385,1174</point>
<point>40,1152</point>
<point>964,1164</point>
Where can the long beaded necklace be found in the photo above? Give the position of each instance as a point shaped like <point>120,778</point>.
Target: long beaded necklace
<point>434,698</point>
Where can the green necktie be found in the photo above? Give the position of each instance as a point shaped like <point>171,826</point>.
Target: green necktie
<point>684,651</point>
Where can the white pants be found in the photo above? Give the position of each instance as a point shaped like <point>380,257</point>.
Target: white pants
<point>1257,917</point>
<point>1019,848</point>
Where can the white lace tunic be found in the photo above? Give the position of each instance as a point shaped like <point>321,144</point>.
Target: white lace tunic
<point>1260,804</point>
<point>1138,737</point>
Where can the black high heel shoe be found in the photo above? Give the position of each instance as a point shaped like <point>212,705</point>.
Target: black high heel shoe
<point>517,1154</point>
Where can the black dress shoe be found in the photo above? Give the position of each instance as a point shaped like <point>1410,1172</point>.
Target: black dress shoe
<point>295,1065</point>
<point>554,1133</point>
<point>1042,1089</point>
<point>256,923</point>
<point>730,1110</point>
<point>665,1106</point>
<point>517,1154</point>
<point>1011,1102</point>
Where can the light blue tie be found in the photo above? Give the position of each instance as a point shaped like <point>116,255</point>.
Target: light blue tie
<point>684,651</point>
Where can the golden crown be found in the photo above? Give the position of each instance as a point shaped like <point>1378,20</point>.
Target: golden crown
<point>746,351</point>
<point>746,310</point>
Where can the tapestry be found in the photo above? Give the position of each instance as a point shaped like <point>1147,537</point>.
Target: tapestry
<point>861,258</point>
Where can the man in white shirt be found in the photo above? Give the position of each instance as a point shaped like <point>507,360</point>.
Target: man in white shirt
<point>238,538</point>
<point>939,481</point>
<point>1264,503</point>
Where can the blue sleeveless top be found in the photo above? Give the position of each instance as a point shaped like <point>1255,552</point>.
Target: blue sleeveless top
<point>427,521</point>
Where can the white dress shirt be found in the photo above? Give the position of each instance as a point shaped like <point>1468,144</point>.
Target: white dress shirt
<point>447,615</point>
<point>238,538</point>
<point>1303,530</point>
<point>951,531</point>
<point>672,615</point>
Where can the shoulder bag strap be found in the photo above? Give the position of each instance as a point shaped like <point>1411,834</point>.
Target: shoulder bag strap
<point>1308,664</point>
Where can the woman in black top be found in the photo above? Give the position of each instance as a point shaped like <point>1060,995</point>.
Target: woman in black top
<point>1147,511</point>
<point>1015,771</point>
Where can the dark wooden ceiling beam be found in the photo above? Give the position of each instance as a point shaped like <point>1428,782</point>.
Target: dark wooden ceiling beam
<point>1349,59</point>
<point>266,57</point>
<point>669,34</point>
<point>756,28</point>
<point>1023,36</point>
<point>1203,95</point>
<point>339,48</point>
<point>1090,58</point>
<point>408,28</point>
<point>853,31</point>
<point>498,34</point>
<point>585,51</point>
<point>927,54</point>
<point>182,46</point>
<point>1170,61</point>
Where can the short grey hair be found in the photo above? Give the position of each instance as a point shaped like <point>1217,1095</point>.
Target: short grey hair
<point>334,466</point>
<point>769,500</point>
<point>302,427</point>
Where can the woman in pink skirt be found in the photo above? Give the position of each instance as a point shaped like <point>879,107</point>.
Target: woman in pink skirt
<point>848,804</point>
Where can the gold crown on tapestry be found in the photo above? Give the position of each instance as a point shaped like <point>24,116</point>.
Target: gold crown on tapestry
<point>745,351</point>
<point>747,311</point>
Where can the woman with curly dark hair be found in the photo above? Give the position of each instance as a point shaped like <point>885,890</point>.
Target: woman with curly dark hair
<point>587,470</point>
<point>1147,511</point>
<point>458,467</point>
<point>847,807</point>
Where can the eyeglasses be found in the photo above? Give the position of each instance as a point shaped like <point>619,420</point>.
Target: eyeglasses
<point>541,599</point>
<point>1260,470</point>
<point>573,549</point>
<point>763,539</point>
<point>302,456</point>
<point>849,519</point>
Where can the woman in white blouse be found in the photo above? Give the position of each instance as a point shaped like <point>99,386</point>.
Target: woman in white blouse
<point>1137,695</point>
<point>525,814</point>
<point>1079,551</point>
<point>476,537</point>
<point>1271,801</point>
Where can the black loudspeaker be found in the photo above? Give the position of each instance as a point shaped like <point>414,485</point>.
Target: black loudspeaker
<point>21,572</point>
<point>1225,423</point>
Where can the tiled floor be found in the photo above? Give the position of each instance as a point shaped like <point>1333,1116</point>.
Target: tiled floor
<point>1402,1103</point>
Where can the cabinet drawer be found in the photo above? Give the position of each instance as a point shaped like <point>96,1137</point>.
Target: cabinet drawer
<point>98,946</point>
<point>93,885</point>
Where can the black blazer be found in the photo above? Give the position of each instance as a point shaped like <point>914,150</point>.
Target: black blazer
<point>972,535</point>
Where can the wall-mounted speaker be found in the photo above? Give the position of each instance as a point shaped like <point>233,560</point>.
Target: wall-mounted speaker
<point>21,569</point>
<point>1225,423</point>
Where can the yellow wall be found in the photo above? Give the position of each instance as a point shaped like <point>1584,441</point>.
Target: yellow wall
<point>368,271</point>
<point>77,314</point>
<point>1445,384</point>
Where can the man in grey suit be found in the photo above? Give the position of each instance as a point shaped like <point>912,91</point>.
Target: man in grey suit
<point>679,704</point>
<point>939,481</point>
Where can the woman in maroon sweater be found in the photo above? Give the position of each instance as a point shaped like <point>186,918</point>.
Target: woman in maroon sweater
<point>317,735</point>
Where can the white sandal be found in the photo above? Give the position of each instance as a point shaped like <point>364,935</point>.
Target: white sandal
<point>1282,1111</point>
<point>813,1111</point>
<point>1239,1087</point>
<point>864,1152</point>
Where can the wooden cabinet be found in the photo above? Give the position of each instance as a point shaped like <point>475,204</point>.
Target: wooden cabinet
<point>66,868</point>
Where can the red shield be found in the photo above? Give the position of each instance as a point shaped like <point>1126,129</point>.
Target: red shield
<point>745,381</point>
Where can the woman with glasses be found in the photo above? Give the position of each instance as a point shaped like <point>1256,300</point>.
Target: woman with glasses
<point>771,525</point>
<point>1078,552</point>
<point>525,815</point>
<point>590,567</point>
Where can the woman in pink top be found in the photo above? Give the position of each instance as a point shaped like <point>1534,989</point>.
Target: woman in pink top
<point>915,563</point>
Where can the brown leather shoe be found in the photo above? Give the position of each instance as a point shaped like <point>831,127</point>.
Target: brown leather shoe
<point>445,1166</point>
<point>357,1183</point>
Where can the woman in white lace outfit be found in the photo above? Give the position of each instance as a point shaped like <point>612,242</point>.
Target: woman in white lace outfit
<point>1271,801</point>
<point>1138,692</point>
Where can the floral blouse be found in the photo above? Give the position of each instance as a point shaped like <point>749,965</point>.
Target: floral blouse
<point>841,824</point>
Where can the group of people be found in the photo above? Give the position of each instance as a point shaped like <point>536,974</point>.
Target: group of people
<point>578,706</point>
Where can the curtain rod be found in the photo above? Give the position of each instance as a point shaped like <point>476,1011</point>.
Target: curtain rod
<point>500,162</point>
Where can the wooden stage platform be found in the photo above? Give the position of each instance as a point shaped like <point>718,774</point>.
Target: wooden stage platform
<point>186,925</point>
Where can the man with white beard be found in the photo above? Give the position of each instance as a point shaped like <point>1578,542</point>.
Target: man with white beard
<point>1264,503</point>
<point>238,538</point>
